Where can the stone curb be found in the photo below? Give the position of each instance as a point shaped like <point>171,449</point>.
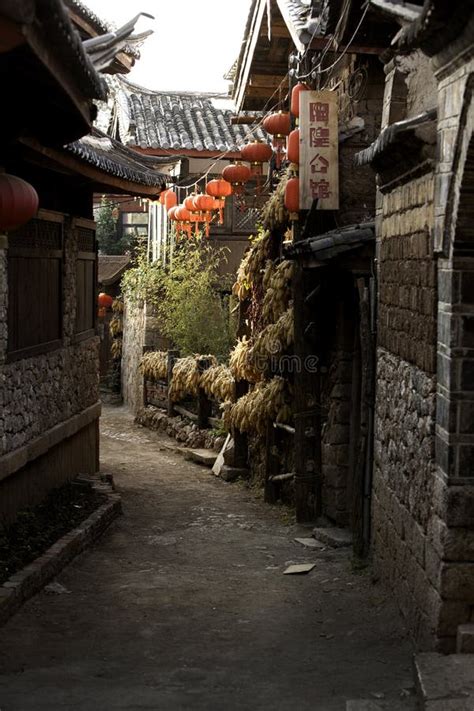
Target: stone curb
<point>27,582</point>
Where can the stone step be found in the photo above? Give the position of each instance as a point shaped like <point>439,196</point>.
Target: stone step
<point>408,704</point>
<point>332,536</point>
<point>206,457</point>
<point>445,682</point>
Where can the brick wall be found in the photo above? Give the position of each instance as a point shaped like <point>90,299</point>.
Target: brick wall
<point>407,274</point>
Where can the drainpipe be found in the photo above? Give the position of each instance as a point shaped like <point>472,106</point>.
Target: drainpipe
<point>369,458</point>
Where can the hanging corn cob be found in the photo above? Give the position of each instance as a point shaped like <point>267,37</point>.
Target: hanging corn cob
<point>154,365</point>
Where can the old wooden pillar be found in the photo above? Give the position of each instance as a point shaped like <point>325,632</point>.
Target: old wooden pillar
<point>307,393</point>
<point>173,356</point>
<point>204,403</point>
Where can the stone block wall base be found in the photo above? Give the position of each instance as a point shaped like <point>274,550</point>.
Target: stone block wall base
<point>27,582</point>
<point>465,639</point>
<point>445,683</point>
<point>29,485</point>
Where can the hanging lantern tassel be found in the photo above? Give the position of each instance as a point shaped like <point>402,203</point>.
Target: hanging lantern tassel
<point>205,204</point>
<point>256,153</point>
<point>292,198</point>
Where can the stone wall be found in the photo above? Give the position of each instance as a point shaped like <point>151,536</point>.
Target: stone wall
<point>335,445</point>
<point>132,351</point>
<point>46,400</point>
<point>403,487</point>
<point>141,332</point>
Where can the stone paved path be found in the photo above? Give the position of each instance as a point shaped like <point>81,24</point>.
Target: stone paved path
<point>183,605</point>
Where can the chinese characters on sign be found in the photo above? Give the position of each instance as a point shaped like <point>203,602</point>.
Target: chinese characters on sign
<point>319,162</point>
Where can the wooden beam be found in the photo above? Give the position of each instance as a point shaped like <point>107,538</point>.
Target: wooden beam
<point>278,31</point>
<point>245,120</point>
<point>265,80</point>
<point>261,91</point>
<point>252,40</point>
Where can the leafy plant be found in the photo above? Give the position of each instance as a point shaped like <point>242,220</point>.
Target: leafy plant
<point>188,295</point>
<point>193,311</point>
<point>107,235</point>
<point>144,281</point>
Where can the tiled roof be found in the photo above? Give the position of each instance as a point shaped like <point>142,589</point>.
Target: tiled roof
<point>184,121</point>
<point>439,23</point>
<point>111,268</point>
<point>305,19</point>
<point>112,157</point>
<point>331,244</point>
<point>390,134</point>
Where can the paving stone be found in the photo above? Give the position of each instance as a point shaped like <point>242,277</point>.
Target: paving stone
<point>382,705</point>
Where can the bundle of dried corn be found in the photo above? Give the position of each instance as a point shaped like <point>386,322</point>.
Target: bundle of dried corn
<point>269,400</point>
<point>251,267</point>
<point>240,363</point>
<point>277,285</point>
<point>274,213</point>
<point>218,382</point>
<point>154,365</point>
<point>274,340</point>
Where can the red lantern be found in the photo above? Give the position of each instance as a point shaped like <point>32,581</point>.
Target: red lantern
<point>172,213</point>
<point>219,189</point>
<point>104,300</point>
<point>293,147</point>
<point>162,197</point>
<point>295,98</point>
<point>279,126</point>
<point>189,203</point>
<point>101,312</point>
<point>292,197</point>
<point>18,202</point>
<point>237,174</point>
<point>256,153</point>
<point>183,214</point>
<point>205,203</point>
<point>171,199</point>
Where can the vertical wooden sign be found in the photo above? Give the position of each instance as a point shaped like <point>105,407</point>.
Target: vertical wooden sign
<point>319,155</point>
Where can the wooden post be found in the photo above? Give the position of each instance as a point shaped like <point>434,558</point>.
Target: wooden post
<point>173,356</point>
<point>272,465</point>
<point>361,504</point>
<point>204,403</point>
<point>307,393</point>
<point>241,446</point>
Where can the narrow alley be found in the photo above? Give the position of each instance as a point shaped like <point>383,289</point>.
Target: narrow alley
<point>182,604</point>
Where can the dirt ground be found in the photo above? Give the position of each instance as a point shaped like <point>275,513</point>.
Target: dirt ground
<point>183,605</point>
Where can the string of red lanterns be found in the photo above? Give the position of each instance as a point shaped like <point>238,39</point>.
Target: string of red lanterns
<point>199,208</point>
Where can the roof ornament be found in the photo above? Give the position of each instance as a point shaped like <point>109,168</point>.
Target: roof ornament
<point>103,49</point>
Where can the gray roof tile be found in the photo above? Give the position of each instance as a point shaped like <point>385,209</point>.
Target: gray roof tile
<point>184,121</point>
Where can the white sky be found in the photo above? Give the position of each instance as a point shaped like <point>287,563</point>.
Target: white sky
<point>194,44</point>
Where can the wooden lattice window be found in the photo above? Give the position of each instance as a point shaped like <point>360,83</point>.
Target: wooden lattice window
<point>86,280</point>
<point>35,281</point>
